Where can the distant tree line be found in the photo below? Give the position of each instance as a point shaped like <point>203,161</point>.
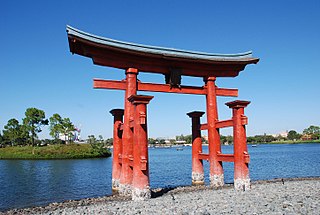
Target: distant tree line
<point>310,133</point>
<point>26,133</point>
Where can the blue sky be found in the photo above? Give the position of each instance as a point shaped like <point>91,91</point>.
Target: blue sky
<point>37,69</point>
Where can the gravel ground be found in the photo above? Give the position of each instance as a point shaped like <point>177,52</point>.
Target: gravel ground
<point>282,196</point>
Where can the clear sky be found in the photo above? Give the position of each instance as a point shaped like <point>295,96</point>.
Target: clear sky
<point>37,69</point>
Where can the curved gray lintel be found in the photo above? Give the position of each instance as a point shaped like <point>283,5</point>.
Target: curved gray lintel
<point>157,50</point>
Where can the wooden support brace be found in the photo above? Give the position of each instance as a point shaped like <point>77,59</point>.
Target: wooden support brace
<point>224,123</point>
<point>204,126</point>
<point>226,157</point>
<point>203,156</point>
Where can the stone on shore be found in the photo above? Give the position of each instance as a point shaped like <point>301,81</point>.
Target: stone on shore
<point>298,196</point>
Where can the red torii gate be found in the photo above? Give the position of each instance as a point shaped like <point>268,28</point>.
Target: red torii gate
<point>130,170</point>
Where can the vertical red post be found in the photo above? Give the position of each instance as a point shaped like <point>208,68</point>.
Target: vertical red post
<point>197,164</point>
<point>216,170</point>
<point>241,169</point>
<point>127,138</point>
<point>117,147</point>
<point>140,181</point>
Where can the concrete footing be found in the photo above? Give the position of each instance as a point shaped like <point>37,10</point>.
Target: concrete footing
<point>217,181</point>
<point>242,184</point>
<point>141,194</point>
<point>125,189</point>
<point>197,178</point>
<point>115,184</point>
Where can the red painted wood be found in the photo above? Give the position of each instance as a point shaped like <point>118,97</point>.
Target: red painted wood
<point>224,123</point>
<point>165,88</point>
<point>241,155</point>
<point>117,144</point>
<point>213,133</point>
<point>127,137</point>
<point>197,165</point>
<point>204,126</point>
<point>203,156</point>
<point>140,151</point>
<point>226,157</point>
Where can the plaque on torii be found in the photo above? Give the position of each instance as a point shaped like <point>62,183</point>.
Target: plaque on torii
<point>130,173</point>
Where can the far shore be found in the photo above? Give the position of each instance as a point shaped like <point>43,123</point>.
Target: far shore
<point>56,151</point>
<point>205,144</point>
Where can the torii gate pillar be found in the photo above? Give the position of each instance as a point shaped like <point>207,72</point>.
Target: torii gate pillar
<point>140,182</point>
<point>127,139</point>
<point>197,164</point>
<point>216,170</point>
<point>117,147</point>
<point>241,169</point>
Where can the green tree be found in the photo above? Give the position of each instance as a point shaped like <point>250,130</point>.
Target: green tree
<point>67,129</point>
<point>151,141</point>
<point>15,133</point>
<point>293,135</point>
<point>101,138</point>
<point>1,140</point>
<point>109,141</point>
<point>55,126</point>
<point>314,131</point>
<point>33,122</point>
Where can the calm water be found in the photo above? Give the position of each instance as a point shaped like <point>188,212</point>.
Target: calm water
<point>29,183</point>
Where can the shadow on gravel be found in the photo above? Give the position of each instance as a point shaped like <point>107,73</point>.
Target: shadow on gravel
<point>159,192</point>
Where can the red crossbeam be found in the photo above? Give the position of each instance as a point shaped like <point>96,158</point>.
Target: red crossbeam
<point>224,123</point>
<point>223,157</point>
<point>219,124</point>
<point>202,156</point>
<point>204,126</point>
<point>121,85</point>
<point>226,157</point>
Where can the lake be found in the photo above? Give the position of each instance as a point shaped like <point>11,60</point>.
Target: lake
<point>27,183</point>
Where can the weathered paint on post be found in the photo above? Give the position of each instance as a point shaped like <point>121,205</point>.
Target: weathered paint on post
<point>140,181</point>
<point>117,147</point>
<point>241,169</point>
<point>197,164</point>
<point>216,170</point>
<point>127,137</point>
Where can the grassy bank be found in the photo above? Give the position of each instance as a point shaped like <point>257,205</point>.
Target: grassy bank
<point>70,151</point>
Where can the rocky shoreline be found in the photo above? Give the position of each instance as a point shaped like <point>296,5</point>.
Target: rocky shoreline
<point>278,196</point>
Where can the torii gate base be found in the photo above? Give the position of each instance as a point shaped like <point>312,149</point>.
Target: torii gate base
<point>130,174</point>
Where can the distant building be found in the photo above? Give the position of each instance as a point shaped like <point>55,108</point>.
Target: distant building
<point>281,134</point>
<point>306,137</point>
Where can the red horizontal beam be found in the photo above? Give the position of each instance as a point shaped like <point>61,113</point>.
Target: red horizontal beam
<point>165,88</point>
<point>224,123</point>
<point>225,157</point>
<point>108,84</point>
<point>202,156</point>
<point>204,126</point>
<point>227,92</point>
